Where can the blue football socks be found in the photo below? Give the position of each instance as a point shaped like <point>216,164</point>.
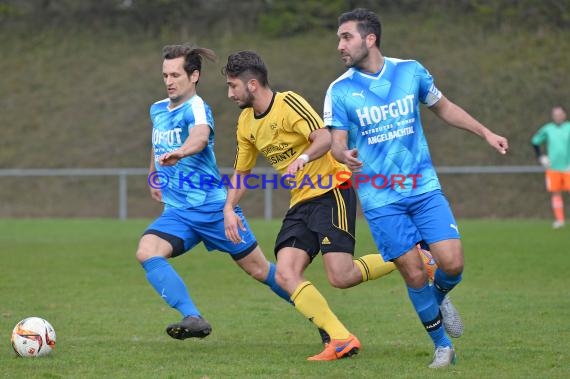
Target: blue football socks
<point>169,285</point>
<point>443,283</point>
<point>272,283</point>
<point>429,314</point>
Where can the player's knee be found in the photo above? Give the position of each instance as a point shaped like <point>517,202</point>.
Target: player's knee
<point>340,284</point>
<point>339,281</point>
<point>453,268</point>
<point>142,255</point>
<point>416,278</point>
<point>151,246</point>
<point>145,252</point>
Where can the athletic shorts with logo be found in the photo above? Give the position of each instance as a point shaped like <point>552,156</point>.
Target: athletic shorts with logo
<point>185,228</point>
<point>324,223</point>
<point>399,226</point>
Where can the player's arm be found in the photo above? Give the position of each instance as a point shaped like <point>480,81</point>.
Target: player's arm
<point>232,222</point>
<point>342,153</point>
<point>320,143</point>
<point>320,140</point>
<point>537,151</point>
<point>541,157</point>
<point>537,140</point>
<point>336,119</point>
<point>459,118</point>
<point>196,142</point>
<point>155,193</point>
<point>246,156</point>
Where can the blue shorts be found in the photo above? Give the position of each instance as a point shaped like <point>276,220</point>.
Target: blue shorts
<point>397,227</point>
<point>185,228</point>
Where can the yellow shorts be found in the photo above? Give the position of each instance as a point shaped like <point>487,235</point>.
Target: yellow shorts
<point>557,181</point>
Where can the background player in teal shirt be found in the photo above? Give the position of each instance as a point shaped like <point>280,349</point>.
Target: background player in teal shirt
<point>555,136</point>
<point>373,111</point>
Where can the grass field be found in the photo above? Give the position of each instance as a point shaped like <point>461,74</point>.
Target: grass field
<point>81,275</point>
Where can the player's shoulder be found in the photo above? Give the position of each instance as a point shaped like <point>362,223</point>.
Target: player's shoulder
<point>245,115</point>
<point>553,130</point>
<point>549,127</point>
<point>160,104</point>
<point>196,106</point>
<point>295,104</point>
<point>342,82</point>
<point>401,61</point>
<point>552,127</point>
<point>347,75</point>
<point>197,101</point>
<point>542,129</point>
<point>282,94</point>
<point>404,64</point>
<point>290,97</point>
<point>408,68</point>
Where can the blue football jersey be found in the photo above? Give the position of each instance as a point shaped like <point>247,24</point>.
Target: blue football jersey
<point>381,113</point>
<point>195,180</point>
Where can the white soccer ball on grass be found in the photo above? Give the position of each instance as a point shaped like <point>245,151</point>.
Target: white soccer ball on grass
<point>33,337</point>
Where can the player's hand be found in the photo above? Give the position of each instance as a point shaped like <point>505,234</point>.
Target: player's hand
<point>500,143</point>
<point>351,160</point>
<point>544,161</point>
<point>156,194</point>
<point>170,159</point>
<point>232,225</point>
<point>297,165</point>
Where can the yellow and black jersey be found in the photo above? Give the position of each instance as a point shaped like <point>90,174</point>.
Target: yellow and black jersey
<point>281,134</point>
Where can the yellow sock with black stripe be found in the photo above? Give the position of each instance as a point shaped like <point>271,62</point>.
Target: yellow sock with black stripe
<point>372,266</point>
<point>309,301</point>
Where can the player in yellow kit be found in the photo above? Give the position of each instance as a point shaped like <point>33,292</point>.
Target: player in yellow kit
<point>286,130</point>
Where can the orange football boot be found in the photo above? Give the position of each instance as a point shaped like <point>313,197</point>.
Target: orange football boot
<point>337,349</point>
<point>429,262</point>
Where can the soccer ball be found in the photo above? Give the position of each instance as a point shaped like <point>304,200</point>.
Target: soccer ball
<point>33,337</point>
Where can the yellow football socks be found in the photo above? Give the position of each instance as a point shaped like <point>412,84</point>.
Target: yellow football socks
<point>309,301</point>
<point>372,266</point>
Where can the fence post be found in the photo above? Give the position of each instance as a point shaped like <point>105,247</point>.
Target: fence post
<point>268,206</point>
<point>122,196</point>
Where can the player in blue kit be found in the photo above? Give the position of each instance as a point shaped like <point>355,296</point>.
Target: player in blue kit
<point>184,176</point>
<point>373,110</point>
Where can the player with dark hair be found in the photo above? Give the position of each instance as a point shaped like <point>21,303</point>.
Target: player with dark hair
<point>373,110</point>
<point>555,135</point>
<point>182,155</point>
<point>286,130</point>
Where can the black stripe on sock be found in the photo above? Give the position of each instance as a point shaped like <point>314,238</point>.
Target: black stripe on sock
<point>366,269</point>
<point>434,324</point>
<point>301,290</point>
<point>441,289</point>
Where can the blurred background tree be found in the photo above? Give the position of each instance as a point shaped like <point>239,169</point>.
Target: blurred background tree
<point>280,17</point>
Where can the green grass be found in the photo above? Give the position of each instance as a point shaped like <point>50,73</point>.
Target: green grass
<point>81,275</point>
